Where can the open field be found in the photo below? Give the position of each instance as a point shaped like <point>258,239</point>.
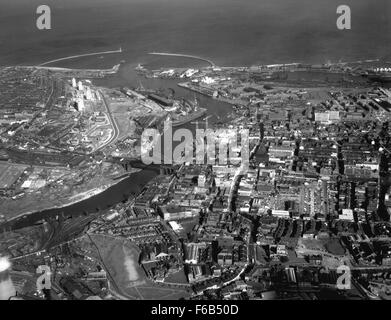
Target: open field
<point>9,174</point>
<point>128,280</point>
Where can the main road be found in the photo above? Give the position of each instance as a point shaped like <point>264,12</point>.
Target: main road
<point>113,123</point>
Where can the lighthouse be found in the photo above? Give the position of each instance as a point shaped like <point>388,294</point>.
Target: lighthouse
<point>7,289</point>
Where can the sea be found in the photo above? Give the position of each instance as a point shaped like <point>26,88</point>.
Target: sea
<point>229,32</point>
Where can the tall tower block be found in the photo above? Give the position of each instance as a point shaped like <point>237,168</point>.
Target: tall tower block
<point>80,104</point>
<point>80,86</point>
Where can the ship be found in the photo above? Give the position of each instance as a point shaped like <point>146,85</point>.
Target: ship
<point>140,67</point>
<point>379,75</point>
<point>141,70</point>
<point>195,113</point>
<point>145,91</point>
<point>189,117</point>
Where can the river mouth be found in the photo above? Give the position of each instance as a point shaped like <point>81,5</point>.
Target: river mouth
<point>132,185</point>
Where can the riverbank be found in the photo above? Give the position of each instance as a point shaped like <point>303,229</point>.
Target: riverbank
<point>72,200</point>
<point>129,186</point>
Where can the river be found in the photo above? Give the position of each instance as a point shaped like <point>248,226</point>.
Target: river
<point>133,184</point>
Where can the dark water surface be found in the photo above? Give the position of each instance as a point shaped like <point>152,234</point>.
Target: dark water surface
<point>230,32</point>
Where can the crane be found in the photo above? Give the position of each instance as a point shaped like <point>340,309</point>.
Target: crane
<point>206,122</point>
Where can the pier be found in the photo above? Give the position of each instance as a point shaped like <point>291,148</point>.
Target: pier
<point>81,56</point>
<point>212,64</point>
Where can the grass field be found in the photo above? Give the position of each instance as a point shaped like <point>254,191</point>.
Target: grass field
<point>120,258</point>
<point>334,246</point>
<point>9,174</point>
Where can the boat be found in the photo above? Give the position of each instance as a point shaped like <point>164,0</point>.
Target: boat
<point>189,117</point>
<point>145,91</point>
<point>195,113</point>
<point>380,77</point>
<point>140,67</point>
<point>141,70</point>
<point>379,74</point>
